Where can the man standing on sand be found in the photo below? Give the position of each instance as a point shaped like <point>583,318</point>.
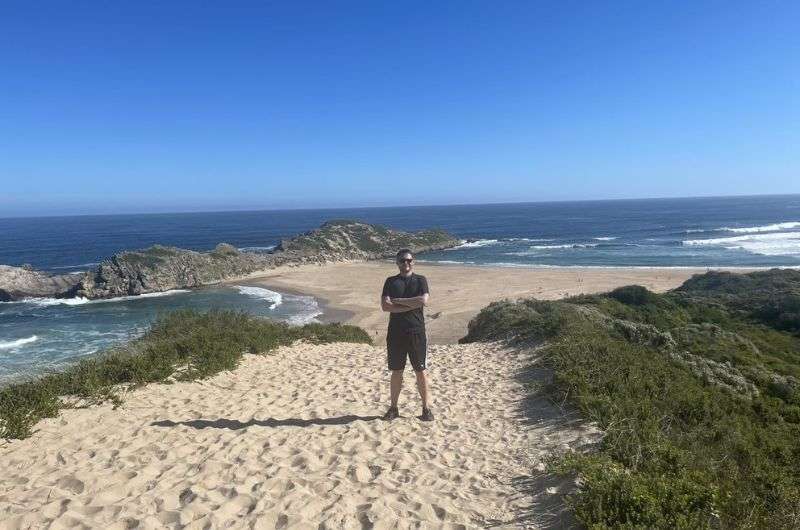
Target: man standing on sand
<point>404,296</point>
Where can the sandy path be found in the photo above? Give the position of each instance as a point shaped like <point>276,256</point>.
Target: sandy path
<point>291,440</point>
<point>458,292</point>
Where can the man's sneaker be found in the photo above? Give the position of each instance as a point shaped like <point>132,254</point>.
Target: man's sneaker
<point>427,415</point>
<point>391,414</point>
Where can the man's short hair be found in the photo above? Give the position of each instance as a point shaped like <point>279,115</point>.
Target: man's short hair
<point>402,252</point>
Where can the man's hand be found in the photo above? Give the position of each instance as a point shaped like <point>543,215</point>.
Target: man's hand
<point>411,303</point>
<point>388,305</point>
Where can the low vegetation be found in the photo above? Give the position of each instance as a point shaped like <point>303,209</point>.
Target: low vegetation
<point>184,345</point>
<point>697,391</point>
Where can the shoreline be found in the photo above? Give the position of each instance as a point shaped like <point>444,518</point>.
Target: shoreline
<point>349,292</point>
<point>330,313</point>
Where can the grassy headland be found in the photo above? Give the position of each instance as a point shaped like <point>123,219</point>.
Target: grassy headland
<point>697,390</point>
<point>183,345</point>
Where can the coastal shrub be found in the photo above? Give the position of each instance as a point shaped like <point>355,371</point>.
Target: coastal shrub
<point>184,345</point>
<point>522,321</point>
<point>772,296</point>
<point>633,295</point>
<point>616,497</point>
<point>781,313</point>
<point>681,449</point>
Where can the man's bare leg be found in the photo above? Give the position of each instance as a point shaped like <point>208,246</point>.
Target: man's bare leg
<point>396,385</point>
<point>424,390</point>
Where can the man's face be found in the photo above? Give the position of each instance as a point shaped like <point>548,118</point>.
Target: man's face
<point>405,263</point>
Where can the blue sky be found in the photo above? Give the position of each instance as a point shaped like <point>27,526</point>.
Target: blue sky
<point>176,106</point>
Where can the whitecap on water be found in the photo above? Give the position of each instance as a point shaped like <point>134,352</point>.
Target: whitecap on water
<point>774,227</point>
<point>567,245</point>
<point>79,300</point>
<point>776,244</point>
<point>274,299</point>
<point>8,345</point>
<point>309,312</point>
<point>475,244</point>
<point>789,225</point>
<point>257,249</point>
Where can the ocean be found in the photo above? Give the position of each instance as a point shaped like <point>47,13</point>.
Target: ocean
<point>40,335</point>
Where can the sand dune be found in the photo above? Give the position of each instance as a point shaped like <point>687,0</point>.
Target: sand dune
<point>292,440</point>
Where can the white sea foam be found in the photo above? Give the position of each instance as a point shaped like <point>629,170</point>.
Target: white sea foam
<point>790,225</point>
<point>147,295</point>
<point>309,312</point>
<point>79,300</point>
<point>775,227</point>
<point>17,343</point>
<point>475,244</point>
<point>568,245</point>
<point>604,238</point>
<point>529,239</point>
<point>774,244</point>
<point>257,249</point>
<point>274,299</point>
<point>90,264</point>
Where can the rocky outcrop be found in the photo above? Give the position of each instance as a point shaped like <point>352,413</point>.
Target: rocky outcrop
<point>23,282</point>
<point>345,240</point>
<point>161,268</point>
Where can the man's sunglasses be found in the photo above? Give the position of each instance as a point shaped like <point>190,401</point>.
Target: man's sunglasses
<point>405,260</point>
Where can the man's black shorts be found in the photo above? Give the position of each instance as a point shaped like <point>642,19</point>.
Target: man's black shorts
<point>411,342</point>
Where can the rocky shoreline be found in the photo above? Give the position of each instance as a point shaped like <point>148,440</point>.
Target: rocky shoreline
<point>161,268</point>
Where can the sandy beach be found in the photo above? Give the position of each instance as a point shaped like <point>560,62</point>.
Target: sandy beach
<point>293,440</point>
<point>350,292</point>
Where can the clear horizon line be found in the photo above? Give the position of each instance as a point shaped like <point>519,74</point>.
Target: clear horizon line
<point>244,210</point>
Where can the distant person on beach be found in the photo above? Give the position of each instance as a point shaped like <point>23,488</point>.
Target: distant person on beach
<point>404,295</point>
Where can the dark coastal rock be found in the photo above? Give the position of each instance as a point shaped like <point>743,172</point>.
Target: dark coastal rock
<point>164,268</point>
<point>345,240</point>
<point>161,268</point>
<point>24,282</point>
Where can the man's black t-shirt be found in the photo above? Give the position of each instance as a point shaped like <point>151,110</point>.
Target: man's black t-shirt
<point>399,286</point>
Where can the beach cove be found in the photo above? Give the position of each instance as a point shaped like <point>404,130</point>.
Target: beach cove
<point>350,292</point>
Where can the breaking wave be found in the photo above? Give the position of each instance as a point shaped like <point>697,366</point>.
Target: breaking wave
<point>79,300</point>
<point>274,299</point>
<point>308,314</point>
<point>775,227</point>
<point>775,244</point>
<point>17,343</point>
<point>475,244</point>
<point>90,264</point>
<point>790,225</point>
<point>567,245</point>
<point>257,249</point>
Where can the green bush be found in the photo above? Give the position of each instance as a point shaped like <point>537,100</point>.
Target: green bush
<point>524,321</point>
<point>681,449</point>
<point>633,295</point>
<point>185,345</point>
<point>616,497</point>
